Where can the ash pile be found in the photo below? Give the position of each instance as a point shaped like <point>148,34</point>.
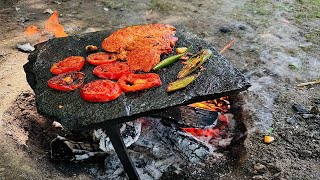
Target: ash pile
<point>192,134</point>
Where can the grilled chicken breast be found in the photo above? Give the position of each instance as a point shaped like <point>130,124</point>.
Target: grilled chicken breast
<point>141,45</point>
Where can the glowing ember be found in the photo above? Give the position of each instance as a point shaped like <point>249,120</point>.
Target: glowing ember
<point>52,25</point>
<point>203,134</point>
<point>220,105</point>
<point>217,105</point>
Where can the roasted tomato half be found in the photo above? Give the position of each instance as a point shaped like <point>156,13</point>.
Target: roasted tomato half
<point>112,71</point>
<point>67,81</point>
<point>136,82</point>
<point>101,58</point>
<point>72,63</point>
<point>100,91</point>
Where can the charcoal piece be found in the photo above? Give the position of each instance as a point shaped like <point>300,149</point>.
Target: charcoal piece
<point>316,101</point>
<point>219,79</point>
<point>63,149</point>
<point>299,109</point>
<point>186,116</point>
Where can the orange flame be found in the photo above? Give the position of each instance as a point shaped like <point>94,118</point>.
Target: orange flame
<point>53,25</point>
<point>217,105</point>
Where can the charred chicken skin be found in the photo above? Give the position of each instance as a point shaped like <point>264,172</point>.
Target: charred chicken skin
<point>141,45</point>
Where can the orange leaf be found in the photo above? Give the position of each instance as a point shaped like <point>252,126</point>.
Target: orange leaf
<point>32,30</point>
<point>53,25</point>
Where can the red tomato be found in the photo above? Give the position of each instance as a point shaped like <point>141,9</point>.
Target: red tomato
<point>102,58</point>
<point>67,81</point>
<point>136,82</point>
<point>100,91</point>
<point>72,63</point>
<point>112,71</point>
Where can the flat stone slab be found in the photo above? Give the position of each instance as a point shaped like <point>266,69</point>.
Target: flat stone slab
<point>219,79</point>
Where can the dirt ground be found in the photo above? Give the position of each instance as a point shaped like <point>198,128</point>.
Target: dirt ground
<point>277,48</point>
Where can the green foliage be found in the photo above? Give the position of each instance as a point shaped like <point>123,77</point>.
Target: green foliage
<point>161,5</point>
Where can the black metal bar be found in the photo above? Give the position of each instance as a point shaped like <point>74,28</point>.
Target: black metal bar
<point>113,133</point>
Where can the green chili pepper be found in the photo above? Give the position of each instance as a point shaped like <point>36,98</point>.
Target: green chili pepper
<point>170,60</point>
<point>195,63</point>
<point>181,83</point>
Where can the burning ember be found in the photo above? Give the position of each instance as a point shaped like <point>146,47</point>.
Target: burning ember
<point>217,105</point>
<point>221,105</point>
<point>52,27</point>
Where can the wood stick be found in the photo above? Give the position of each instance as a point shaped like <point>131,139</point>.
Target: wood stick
<point>309,83</point>
<point>228,45</point>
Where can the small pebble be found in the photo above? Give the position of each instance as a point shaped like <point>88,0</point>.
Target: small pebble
<point>242,27</point>
<point>25,47</point>
<point>258,177</point>
<point>268,139</point>
<point>305,153</point>
<point>307,116</point>
<point>259,167</point>
<point>56,124</point>
<point>224,30</point>
<point>2,169</point>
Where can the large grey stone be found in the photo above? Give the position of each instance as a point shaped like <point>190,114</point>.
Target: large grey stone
<point>219,79</point>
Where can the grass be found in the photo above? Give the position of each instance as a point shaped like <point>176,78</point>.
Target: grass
<point>161,5</point>
<point>114,4</point>
<point>307,9</point>
<point>256,12</point>
<point>313,36</point>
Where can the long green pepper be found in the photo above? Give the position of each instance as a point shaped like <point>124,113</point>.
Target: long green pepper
<point>195,63</point>
<point>170,60</point>
<point>181,83</point>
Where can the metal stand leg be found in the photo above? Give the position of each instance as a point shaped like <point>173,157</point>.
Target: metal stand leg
<point>113,133</point>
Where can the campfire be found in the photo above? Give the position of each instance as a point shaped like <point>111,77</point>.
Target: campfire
<point>191,133</point>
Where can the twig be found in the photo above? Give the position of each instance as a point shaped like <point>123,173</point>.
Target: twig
<point>309,83</point>
<point>228,45</point>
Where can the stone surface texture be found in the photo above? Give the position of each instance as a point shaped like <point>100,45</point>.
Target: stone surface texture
<point>218,79</point>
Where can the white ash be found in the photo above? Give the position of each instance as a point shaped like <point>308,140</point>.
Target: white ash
<point>160,147</point>
<point>130,133</point>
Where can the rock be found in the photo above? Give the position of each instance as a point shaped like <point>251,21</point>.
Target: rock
<point>258,177</point>
<point>316,100</point>
<point>224,29</point>
<point>300,109</point>
<point>48,11</point>
<point>25,47</point>
<point>242,27</point>
<point>2,169</point>
<point>307,116</point>
<point>305,153</point>
<point>259,167</point>
<point>291,121</point>
<point>79,114</point>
